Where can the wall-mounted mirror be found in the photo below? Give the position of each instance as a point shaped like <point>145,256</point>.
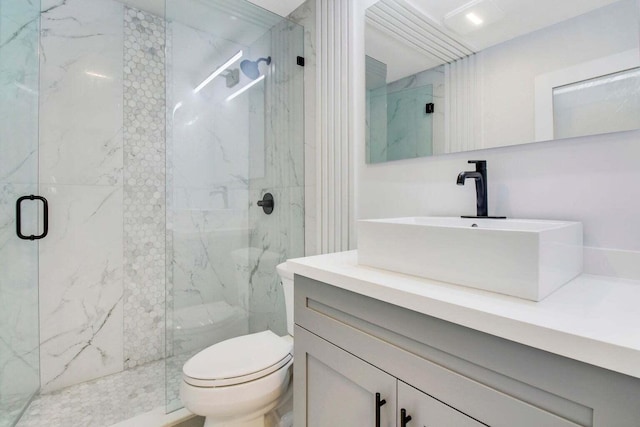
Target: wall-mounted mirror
<point>445,76</point>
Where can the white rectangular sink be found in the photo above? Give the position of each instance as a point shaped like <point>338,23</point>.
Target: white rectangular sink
<point>523,258</point>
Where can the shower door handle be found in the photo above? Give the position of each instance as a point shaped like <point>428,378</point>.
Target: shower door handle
<point>45,218</point>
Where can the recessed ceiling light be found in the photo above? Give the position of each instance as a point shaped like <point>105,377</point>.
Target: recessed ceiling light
<point>475,19</point>
<point>473,16</point>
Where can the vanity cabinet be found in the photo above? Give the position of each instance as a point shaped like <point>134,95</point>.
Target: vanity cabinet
<point>343,390</point>
<point>349,347</point>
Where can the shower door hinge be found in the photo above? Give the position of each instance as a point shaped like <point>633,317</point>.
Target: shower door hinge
<point>430,108</point>
<point>300,61</point>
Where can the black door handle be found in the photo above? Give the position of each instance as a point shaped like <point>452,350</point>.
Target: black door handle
<point>379,403</point>
<point>267,203</point>
<point>45,218</point>
<point>404,418</point>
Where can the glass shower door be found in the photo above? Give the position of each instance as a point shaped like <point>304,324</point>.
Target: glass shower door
<point>19,340</point>
<point>234,94</point>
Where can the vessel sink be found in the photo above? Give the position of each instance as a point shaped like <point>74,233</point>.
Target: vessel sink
<point>523,258</point>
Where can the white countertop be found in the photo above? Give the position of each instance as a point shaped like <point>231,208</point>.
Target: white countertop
<point>593,319</point>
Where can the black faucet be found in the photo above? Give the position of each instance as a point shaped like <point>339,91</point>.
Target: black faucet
<point>480,175</point>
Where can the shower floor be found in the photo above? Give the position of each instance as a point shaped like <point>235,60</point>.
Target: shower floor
<point>102,402</point>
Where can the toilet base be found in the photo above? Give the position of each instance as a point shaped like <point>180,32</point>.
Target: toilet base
<point>267,417</point>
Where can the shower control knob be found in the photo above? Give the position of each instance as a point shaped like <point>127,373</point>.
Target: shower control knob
<point>267,203</point>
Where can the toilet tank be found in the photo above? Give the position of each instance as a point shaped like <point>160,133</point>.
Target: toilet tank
<point>286,278</point>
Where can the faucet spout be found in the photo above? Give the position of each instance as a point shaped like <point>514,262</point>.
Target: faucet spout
<point>480,176</point>
<point>462,176</point>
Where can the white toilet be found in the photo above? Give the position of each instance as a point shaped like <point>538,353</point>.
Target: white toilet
<point>236,382</point>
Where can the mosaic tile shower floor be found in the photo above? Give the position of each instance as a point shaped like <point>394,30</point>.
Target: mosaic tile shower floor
<point>102,402</point>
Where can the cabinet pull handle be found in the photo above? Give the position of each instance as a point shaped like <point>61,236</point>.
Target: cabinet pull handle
<point>404,418</point>
<point>379,403</point>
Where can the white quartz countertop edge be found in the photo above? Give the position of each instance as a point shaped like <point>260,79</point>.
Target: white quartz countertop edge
<point>593,319</point>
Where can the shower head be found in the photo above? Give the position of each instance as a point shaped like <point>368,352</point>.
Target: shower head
<point>250,68</point>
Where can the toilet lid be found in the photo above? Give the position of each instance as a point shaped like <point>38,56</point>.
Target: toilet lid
<point>238,360</point>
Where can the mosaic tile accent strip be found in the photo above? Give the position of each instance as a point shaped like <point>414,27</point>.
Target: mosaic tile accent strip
<point>144,187</point>
<point>102,402</point>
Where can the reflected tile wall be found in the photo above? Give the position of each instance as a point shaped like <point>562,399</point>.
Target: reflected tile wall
<point>81,261</point>
<point>409,128</point>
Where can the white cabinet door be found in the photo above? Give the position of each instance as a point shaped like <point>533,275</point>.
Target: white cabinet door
<point>340,389</point>
<point>426,411</point>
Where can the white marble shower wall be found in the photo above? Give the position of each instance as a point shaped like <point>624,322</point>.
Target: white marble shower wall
<point>81,174</point>
<point>208,171</point>
<point>102,170</point>
<point>276,166</point>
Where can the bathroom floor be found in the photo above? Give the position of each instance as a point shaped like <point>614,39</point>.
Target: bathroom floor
<point>102,402</point>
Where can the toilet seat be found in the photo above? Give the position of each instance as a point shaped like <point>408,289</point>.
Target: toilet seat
<point>238,360</point>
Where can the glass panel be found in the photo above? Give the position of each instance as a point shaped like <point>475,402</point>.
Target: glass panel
<point>19,349</point>
<point>234,132</point>
<point>599,105</point>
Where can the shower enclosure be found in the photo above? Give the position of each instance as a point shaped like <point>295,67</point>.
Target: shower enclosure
<point>153,133</point>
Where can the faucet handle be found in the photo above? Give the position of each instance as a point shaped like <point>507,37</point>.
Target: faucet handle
<point>480,164</point>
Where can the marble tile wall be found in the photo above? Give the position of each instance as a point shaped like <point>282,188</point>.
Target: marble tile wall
<point>102,168</point>
<point>81,165</point>
<point>144,187</point>
<point>278,236</point>
<point>19,375</point>
<point>207,183</point>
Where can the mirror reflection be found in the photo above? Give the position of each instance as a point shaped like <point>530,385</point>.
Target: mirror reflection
<point>445,76</point>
